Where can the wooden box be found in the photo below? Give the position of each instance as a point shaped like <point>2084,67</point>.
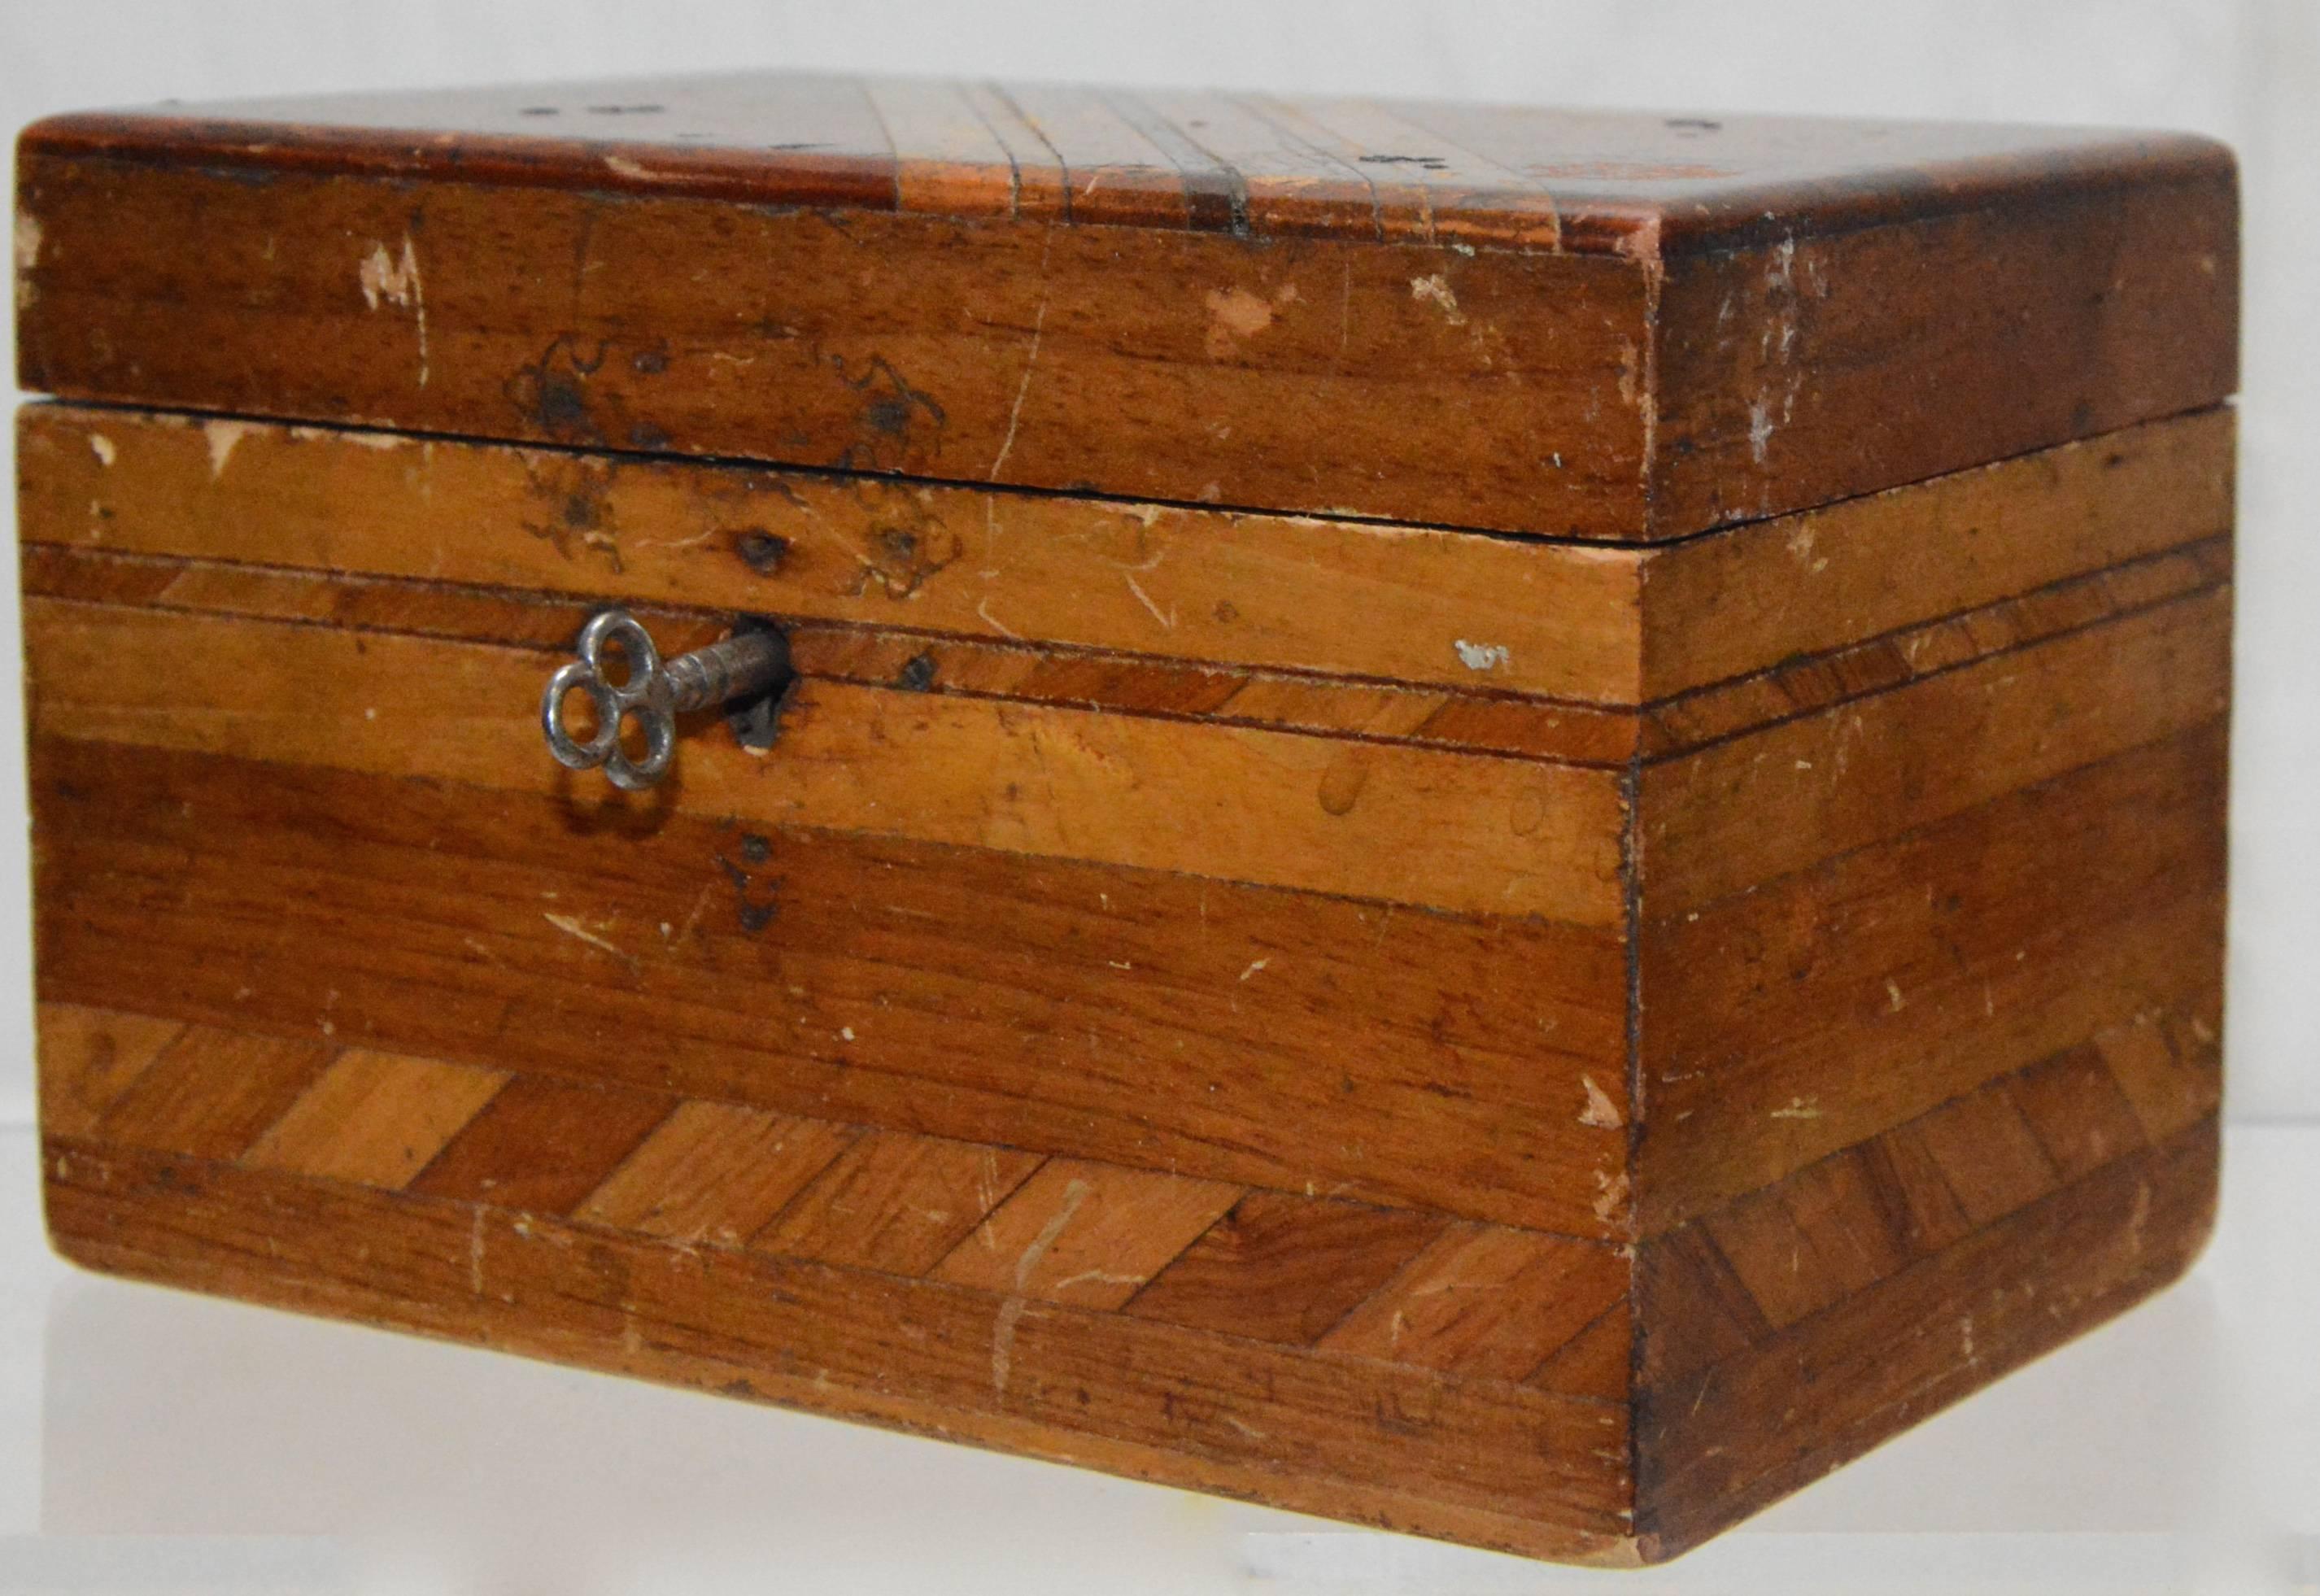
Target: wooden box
<point>1503,823</point>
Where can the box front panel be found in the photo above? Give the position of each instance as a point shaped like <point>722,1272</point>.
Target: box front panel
<point>1233,1103</point>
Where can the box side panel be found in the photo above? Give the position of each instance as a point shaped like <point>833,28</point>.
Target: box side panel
<point>1800,371</point>
<point>1930,988</point>
<point>1312,375</point>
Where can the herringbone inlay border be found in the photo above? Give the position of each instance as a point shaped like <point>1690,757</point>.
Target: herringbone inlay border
<point>1488,1301</point>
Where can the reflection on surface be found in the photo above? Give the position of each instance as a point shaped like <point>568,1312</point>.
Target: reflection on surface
<point>179,1415</point>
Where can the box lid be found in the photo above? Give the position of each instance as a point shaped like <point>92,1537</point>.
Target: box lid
<point>1609,326</point>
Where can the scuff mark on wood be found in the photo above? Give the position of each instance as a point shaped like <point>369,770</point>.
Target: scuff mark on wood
<point>1435,290</point>
<point>1002,1329</point>
<point>386,279</point>
<point>27,235</point>
<point>1236,314</point>
<point>1600,1110</point>
<point>222,437</point>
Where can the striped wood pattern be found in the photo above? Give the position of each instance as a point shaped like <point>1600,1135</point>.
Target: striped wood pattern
<point>1239,597</point>
<point>1643,326</point>
<point>959,993</point>
<point>1555,732</point>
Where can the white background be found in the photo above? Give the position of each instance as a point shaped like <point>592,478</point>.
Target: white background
<point>2178,1449</point>
<point>2247,71</point>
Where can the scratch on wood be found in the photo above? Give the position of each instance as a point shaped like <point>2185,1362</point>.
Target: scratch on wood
<point>983,611</point>
<point>1099,1276</point>
<point>1167,621</point>
<point>1030,361</point>
<point>101,448</point>
<point>572,926</point>
<point>1002,1329</point>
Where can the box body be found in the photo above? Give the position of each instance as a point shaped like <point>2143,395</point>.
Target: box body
<point>1548,1027</point>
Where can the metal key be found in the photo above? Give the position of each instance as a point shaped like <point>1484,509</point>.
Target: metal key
<point>654,693</point>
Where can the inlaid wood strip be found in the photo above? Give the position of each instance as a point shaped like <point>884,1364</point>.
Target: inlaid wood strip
<point>87,1057</point>
<point>1287,185</point>
<point>1229,589</point>
<point>1883,765</point>
<point>1801,688</point>
<point>1112,172</point>
<point>1820,1235</point>
<point>1238,804</point>
<point>2167,1061</point>
<point>1216,194</point>
<point>375,1119</point>
<point>714,1172</point>
<point>1598,1361</point>
<point>1915,1199</point>
<point>896,1202</point>
<point>1086,1234</point>
<point>1161,1401</point>
<point>2073,1105</point>
<point>1538,618</point>
<point>1684,1280</point>
<point>1989,1154</point>
<point>1827,1233</point>
<point>1564,732</point>
<point>1284,1268</point>
<point>1485,1300</point>
<point>1266,1266</point>
<point>946,154</point>
<point>541,1146</point>
<point>948,991</point>
<point>211,1092</point>
<point>1427,188</point>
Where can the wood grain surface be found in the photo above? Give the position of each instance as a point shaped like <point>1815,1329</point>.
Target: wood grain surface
<point>1230,804</point>
<point>1645,325</point>
<point>1223,1032</point>
<point>1612,627</point>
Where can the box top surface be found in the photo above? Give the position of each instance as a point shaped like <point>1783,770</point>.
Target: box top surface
<point>1614,326</point>
<point>1582,181</point>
